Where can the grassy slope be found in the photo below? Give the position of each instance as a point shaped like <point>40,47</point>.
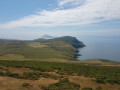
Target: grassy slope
<point>28,52</point>
<point>58,48</point>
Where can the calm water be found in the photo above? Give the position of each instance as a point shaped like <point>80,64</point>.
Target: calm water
<point>103,48</point>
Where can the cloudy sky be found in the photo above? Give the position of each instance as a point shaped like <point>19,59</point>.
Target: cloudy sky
<point>29,19</point>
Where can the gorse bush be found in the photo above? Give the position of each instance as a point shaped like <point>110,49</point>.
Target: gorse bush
<point>102,74</point>
<point>28,75</point>
<point>99,88</point>
<point>25,84</point>
<point>64,84</point>
<point>87,88</point>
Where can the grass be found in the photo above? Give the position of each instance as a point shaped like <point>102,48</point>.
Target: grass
<point>36,45</point>
<point>102,74</point>
<point>99,61</point>
<point>12,57</point>
<point>40,53</point>
<point>63,48</point>
<point>25,52</point>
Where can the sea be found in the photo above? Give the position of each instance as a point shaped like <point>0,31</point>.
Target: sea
<point>100,48</point>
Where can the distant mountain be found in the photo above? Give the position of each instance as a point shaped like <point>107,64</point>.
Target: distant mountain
<point>47,36</point>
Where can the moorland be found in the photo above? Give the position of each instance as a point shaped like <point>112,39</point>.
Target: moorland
<point>51,64</point>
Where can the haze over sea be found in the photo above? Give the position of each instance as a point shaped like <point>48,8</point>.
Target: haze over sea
<point>100,48</point>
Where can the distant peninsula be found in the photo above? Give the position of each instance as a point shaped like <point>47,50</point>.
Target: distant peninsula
<point>67,44</point>
<point>65,47</point>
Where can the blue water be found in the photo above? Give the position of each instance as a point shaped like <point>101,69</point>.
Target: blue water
<point>100,48</point>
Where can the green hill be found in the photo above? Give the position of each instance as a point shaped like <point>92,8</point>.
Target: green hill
<point>62,48</point>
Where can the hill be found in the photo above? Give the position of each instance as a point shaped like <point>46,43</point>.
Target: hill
<point>62,48</point>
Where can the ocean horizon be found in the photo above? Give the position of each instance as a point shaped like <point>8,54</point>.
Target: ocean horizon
<point>100,48</point>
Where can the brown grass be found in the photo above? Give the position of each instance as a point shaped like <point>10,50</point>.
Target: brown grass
<point>89,82</point>
<point>8,83</point>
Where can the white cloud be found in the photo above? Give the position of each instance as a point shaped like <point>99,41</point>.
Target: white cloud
<point>91,11</point>
<point>64,2</point>
<point>72,2</point>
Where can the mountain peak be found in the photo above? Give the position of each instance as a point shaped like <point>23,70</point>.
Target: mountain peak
<point>46,36</point>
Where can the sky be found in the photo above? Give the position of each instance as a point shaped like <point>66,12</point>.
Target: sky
<point>30,19</point>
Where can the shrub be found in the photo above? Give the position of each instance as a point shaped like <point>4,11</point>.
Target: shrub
<point>43,88</point>
<point>87,88</point>
<point>102,74</point>
<point>99,88</point>
<point>2,74</point>
<point>25,84</point>
<point>64,84</point>
<point>100,79</point>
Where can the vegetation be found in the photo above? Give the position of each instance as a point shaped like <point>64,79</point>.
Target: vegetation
<point>102,74</point>
<point>27,54</point>
<point>99,88</point>
<point>64,84</point>
<point>87,88</point>
<point>100,62</point>
<point>29,75</point>
<point>25,84</point>
<point>61,48</point>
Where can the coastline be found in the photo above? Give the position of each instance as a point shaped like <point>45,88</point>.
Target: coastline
<point>77,54</point>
